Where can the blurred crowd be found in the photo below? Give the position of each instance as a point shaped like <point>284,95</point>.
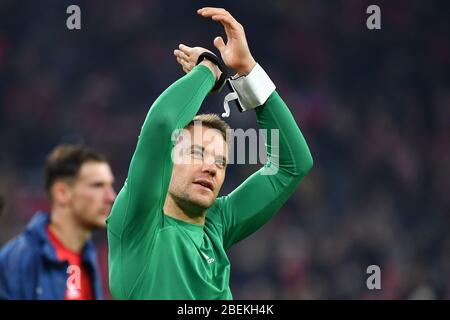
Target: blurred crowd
<point>374,107</point>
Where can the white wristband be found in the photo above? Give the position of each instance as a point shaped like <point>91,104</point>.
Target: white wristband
<point>252,90</point>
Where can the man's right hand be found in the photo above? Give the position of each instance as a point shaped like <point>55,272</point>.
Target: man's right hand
<point>187,57</point>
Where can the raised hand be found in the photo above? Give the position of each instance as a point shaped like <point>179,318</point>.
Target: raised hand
<point>235,52</point>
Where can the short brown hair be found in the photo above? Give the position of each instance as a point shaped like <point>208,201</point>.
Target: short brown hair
<point>66,160</point>
<point>213,121</point>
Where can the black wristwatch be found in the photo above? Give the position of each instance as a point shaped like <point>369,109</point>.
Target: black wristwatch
<point>214,59</point>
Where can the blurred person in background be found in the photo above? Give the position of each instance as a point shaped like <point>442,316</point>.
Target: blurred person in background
<point>54,257</point>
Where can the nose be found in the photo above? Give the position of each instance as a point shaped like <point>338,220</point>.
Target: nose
<point>209,166</point>
<point>110,195</point>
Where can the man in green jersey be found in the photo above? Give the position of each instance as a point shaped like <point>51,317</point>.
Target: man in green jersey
<point>168,232</point>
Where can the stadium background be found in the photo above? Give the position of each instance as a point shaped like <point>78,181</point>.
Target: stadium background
<point>373,105</point>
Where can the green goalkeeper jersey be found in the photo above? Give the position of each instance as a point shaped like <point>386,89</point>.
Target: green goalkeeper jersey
<point>155,256</point>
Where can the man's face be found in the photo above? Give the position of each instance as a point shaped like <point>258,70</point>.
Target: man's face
<point>200,157</point>
<point>92,194</point>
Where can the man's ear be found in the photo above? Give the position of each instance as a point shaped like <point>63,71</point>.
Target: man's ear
<point>61,192</point>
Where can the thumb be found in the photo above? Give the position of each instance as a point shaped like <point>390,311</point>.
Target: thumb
<point>219,44</point>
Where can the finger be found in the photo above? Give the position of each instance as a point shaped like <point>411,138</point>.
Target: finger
<point>226,21</point>
<point>210,11</point>
<point>186,49</point>
<point>223,16</point>
<point>231,26</point>
<point>182,62</point>
<point>181,55</point>
<point>219,44</point>
<point>187,66</point>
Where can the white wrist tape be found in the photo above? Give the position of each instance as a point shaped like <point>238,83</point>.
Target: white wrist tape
<point>252,90</point>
